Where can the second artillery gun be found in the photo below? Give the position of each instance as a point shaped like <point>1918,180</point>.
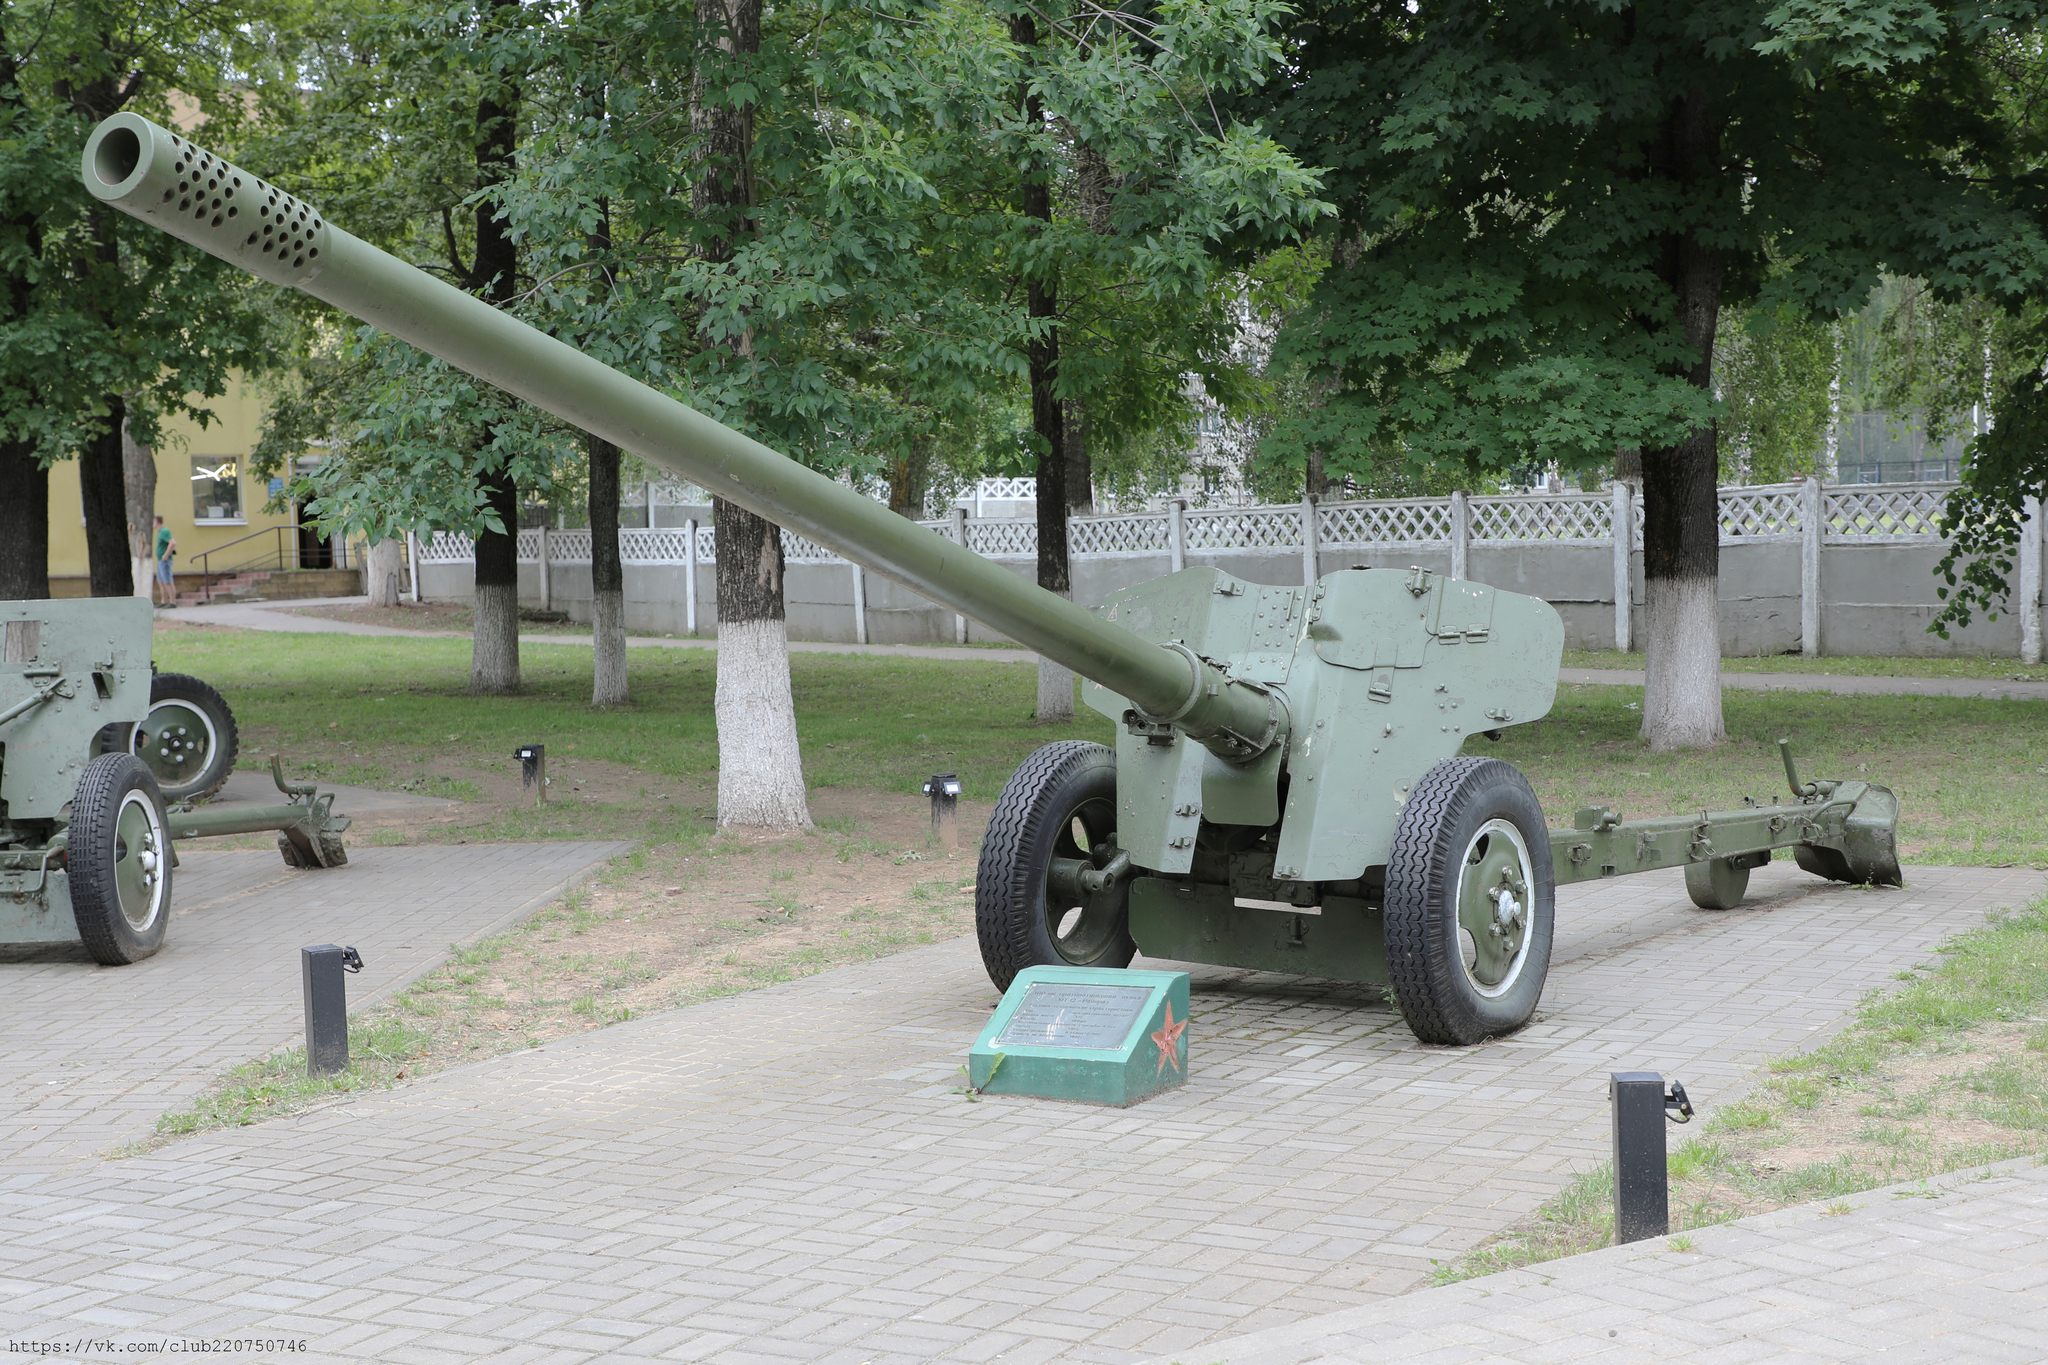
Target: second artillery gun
<point>1286,789</point>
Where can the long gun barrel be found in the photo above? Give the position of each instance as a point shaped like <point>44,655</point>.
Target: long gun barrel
<point>163,179</point>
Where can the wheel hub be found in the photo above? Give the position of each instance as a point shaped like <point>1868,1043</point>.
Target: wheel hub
<point>138,860</point>
<point>1493,906</point>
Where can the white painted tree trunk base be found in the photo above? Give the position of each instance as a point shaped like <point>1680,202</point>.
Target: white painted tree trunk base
<point>494,649</point>
<point>1682,664</point>
<point>384,572</point>
<point>1055,692</point>
<point>760,772</point>
<point>608,640</point>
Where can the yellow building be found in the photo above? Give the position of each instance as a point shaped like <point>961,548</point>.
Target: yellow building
<point>209,501</point>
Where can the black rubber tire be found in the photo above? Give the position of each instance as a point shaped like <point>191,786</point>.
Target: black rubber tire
<point>99,859</point>
<point>183,689</point>
<point>1443,815</point>
<point>1054,787</point>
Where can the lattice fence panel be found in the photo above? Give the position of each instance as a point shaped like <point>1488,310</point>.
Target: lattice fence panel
<point>999,537</point>
<point>1884,512</point>
<point>529,547</point>
<point>1008,490</point>
<point>1544,518</point>
<point>797,550</point>
<point>1244,528</point>
<point>1126,535</point>
<point>1759,513</point>
<point>661,545</point>
<point>1411,521</point>
<point>448,547</point>
<point>569,547</point>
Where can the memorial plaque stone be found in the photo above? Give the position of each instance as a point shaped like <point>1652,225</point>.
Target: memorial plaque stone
<point>1083,1033</point>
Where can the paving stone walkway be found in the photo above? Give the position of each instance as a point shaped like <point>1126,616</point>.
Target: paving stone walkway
<point>1939,1272</point>
<point>91,1055</point>
<point>792,1175</point>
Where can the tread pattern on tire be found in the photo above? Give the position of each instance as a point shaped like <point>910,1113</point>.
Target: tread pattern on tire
<point>98,799</point>
<point>1002,919</point>
<point>1417,956</point>
<point>227,736</point>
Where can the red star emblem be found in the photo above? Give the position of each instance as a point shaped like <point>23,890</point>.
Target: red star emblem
<point>1168,1041</point>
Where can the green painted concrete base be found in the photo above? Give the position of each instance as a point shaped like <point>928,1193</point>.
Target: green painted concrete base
<point>1085,1033</point>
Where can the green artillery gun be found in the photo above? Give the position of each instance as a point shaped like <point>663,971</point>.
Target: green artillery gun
<point>87,841</point>
<point>1286,791</point>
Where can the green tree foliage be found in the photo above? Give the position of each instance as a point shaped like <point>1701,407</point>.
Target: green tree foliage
<point>105,320</point>
<point>1546,207</point>
<point>1773,371</point>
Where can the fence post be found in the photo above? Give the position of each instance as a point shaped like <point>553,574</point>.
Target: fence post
<point>648,488</point>
<point>1811,527</point>
<point>412,559</point>
<point>689,566</point>
<point>2030,583</point>
<point>547,587</point>
<point>1177,535</point>
<point>1311,542</point>
<point>860,605</point>
<point>1624,584</point>
<point>1461,534</point>
<point>960,536</point>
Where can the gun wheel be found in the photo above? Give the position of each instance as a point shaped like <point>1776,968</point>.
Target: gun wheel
<point>1717,883</point>
<point>188,739</point>
<point>119,859</point>
<point>1469,902</point>
<point>1052,888</point>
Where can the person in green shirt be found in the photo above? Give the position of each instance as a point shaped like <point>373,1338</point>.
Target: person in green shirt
<point>166,551</point>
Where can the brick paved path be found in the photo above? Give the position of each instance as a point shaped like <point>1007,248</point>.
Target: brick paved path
<point>90,1055</point>
<point>1950,1270</point>
<point>788,1176</point>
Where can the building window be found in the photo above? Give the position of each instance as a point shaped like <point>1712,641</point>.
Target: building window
<point>216,488</point>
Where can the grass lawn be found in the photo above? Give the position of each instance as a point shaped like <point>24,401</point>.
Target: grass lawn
<point>1948,1071</point>
<point>1972,775</point>
<point>1840,666</point>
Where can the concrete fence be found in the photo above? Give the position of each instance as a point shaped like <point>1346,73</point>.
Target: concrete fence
<point>1805,567</point>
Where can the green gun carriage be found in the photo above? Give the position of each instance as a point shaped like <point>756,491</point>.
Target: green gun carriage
<point>91,741</point>
<point>1286,790</point>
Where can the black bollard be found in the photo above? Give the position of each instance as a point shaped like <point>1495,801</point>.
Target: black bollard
<point>944,789</point>
<point>1642,1192</point>
<point>321,968</point>
<point>533,770</point>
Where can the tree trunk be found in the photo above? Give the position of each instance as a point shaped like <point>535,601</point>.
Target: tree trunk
<point>1080,470</point>
<point>138,489</point>
<point>760,769</point>
<point>383,570</point>
<point>494,648</point>
<point>494,275</point>
<point>908,476</point>
<point>607,574</point>
<point>102,485</point>
<point>1048,413</point>
<point>24,523</point>
<point>1682,546</point>
<point>1681,513</point>
<point>607,578</point>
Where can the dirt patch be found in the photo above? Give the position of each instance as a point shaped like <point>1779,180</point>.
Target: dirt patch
<point>699,915</point>
<point>708,916</point>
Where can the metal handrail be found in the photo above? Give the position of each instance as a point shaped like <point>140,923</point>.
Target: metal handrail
<point>209,576</point>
